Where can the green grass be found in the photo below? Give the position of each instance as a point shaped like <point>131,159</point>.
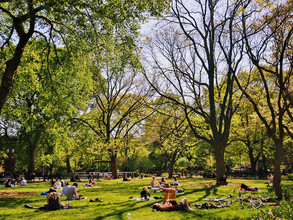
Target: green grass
<point>116,203</point>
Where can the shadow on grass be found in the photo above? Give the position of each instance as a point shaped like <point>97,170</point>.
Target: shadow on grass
<point>127,207</point>
<point>207,191</point>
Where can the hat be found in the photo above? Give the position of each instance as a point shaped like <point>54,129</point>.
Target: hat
<point>75,184</point>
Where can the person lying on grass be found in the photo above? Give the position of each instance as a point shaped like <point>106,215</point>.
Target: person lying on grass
<point>246,188</point>
<point>53,202</point>
<point>170,204</point>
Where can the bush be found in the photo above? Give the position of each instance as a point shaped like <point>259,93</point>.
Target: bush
<point>209,174</point>
<point>284,211</point>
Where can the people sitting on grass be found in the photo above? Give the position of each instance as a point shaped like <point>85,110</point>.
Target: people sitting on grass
<point>271,180</point>
<point>154,184</point>
<point>92,181</point>
<point>72,194</point>
<point>163,182</point>
<point>58,184</point>
<point>246,188</point>
<point>23,182</point>
<point>175,181</point>
<point>223,180</point>
<point>53,182</point>
<point>53,202</point>
<point>8,183</point>
<point>64,190</point>
<point>170,204</point>
<point>62,182</point>
<point>125,177</point>
<point>13,181</point>
<point>145,194</point>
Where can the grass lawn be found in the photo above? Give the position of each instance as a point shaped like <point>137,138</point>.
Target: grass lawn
<point>117,205</point>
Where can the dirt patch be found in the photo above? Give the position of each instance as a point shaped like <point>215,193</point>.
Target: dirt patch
<point>14,194</point>
<point>212,185</point>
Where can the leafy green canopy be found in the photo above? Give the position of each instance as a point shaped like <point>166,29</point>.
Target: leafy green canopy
<point>63,23</point>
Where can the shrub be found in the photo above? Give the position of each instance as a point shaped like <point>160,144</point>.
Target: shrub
<point>283,211</point>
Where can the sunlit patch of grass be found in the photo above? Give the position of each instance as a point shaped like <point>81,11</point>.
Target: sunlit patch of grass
<point>117,205</point>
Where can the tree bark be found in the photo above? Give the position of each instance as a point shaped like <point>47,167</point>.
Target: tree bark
<point>12,64</point>
<point>31,159</point>
<point>32,149</point>
<point>68,166</point>
<point>220,163</point>
<point>114,166</point>
<point>277,170</point>
<point>171,169</point>
<point>253,161</point>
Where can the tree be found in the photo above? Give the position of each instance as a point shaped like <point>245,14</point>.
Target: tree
<point>198,61</point>
<point>44,96</point>
<point>62,22</point>
<point>117,108</point>
<point>268,44</point>
<point>249,130</point>
<point>169,129</point>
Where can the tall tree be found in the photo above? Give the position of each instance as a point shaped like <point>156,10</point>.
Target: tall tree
<point>198,61</point>
<point>117,108</point>
<point>169,131</point>
<point>268,42</point>
<point>248,129</point>
<point>45,94</point>
<point>61,23</point>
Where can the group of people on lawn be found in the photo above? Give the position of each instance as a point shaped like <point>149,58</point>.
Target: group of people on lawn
<point>53,198</point>
<point>71,193</point>
<point>163,182</point>
<point>11,182</point>
<point>169,201</point>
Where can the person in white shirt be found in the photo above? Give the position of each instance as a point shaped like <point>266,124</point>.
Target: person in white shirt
<point>175,181</point>
<point>58,184</point>
<point>72,194</point>
<point>23,182</point>
<point>64,190</point>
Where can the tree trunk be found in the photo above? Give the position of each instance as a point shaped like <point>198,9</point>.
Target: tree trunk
<point>33,147</point>
<point>277,170</point>
<point>253,161</point>
<point>220,163</point>
<point>114,166</point>
<point>171,169</point>
<point>12,64</point>
<point>265,167</point>
<point>31,159</point>
<point>68,166</point>
<point>51,170</point>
